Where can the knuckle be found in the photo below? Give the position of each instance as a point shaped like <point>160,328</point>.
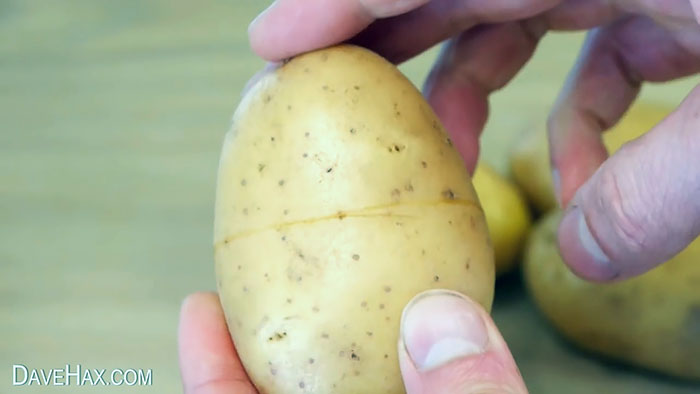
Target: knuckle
<point>624,208</point>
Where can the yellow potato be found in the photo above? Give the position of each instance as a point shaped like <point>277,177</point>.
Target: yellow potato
<point>529,160</point>
<point>339,198</point>
<point>507,215</point>
<point>651,321</point>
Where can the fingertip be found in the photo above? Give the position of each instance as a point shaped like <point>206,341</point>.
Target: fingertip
<point>208,359</point>
<point>576,152</point>
<point>581,251</point>
<point>290,27</point>
<point>449,344</point>
<point>200,302</point>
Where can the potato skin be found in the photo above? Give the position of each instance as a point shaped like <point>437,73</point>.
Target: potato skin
<point>652,321</point>
<point>339,198</point>
<point>507,215</point>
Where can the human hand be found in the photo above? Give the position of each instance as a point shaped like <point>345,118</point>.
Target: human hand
<point>643,205</point>
<point>632,211</point>
<point>448,344</point>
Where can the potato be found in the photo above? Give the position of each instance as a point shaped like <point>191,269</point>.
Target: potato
<point>339,198</point>
<point>507,215</point>
<point>529,160</point>
<point>651,321</point>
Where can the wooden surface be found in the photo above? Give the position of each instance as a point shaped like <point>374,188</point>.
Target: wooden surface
<point>113,113</point>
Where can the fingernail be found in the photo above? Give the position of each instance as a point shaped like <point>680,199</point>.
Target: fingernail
<point>258,18</point>
<point>440,326</point>
<point>269,68</point>
<point>580,250</point>
<point>556,182</point>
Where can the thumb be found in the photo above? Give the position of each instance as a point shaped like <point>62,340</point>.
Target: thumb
<point>642,206</point>
<point>449,344</point>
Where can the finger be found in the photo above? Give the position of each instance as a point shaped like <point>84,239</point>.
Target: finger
<point>405,36</point>
<point>607,78</point>
<point>289,27</point>
<point>582,14</point>
<point>471,67</point>
<point>642,206</point>
<point>449,344</point>
<point>208,360</point>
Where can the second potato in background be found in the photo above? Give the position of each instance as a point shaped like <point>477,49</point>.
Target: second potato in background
<point>507,215</point>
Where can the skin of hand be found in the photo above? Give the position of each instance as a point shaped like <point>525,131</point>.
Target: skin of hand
<point>626,213</point>
<point>448,344</point>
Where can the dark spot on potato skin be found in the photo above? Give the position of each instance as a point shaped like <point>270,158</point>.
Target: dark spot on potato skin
<point>281,182</point>
<point>387,289</point>
<point>408,187</point>
<point>311,361</point>
<point>448,194</point>
<point>244,182</point>
<point>436,278</point>
<point>354,356</point>
<point>261,167</point>
<point>424,164</point>
<point>278,336</point>
<point>329,170</point>
<point>301,385</point>
<point>355,257</point>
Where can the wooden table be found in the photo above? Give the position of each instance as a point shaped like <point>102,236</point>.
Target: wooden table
<point>113,113</point>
